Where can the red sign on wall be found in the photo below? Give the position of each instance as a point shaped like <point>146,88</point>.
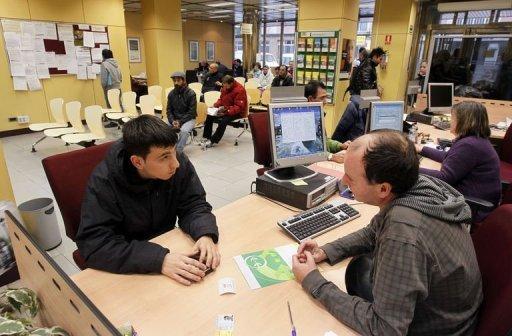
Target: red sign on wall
<point>388,39</point>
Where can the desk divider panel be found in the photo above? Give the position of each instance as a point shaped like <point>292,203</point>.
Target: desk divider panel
<point>62,302</point>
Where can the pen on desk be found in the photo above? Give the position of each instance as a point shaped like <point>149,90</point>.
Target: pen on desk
<point>294,331</point>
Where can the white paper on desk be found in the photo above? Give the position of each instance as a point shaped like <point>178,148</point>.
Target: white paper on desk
<point>19,83</point>
<point>96,55</point>
<point>50,59</point>
<point>69,47</point>
<point>14,55</point>
<point>30,70</point>
<point>90,73</point>
<point>28,57</point>
<point>50,30</point>
<point>28,41</point>
<point>17,68</point>
<point>100,37</point>
<point>89,39</point>
<point>212,111</point>
<point>65,32</point>
<point>12,40</point>
<point>105,46</point>
<point>40,57</point>
<point>96,28</point>
<point>84,27</point>
<point>34,84</point>
<point>82,72</point>
<point>42,71</point>
<point>83,56</point>
<point>11,26</point>
<point>96,68</point>
<point>39,44</point>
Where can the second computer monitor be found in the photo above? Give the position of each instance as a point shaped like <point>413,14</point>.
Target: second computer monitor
<point>385,115</point>
<point>440,97</point>
<point>297,134</point>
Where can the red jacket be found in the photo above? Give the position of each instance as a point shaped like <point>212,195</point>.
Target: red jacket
<point>234,100</point>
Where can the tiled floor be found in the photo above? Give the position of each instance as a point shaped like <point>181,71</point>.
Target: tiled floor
<point>226,172</point>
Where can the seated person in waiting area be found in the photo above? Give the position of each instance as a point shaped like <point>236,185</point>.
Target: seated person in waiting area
<point>232,104</point>
<point>351,124</point>
<point>135,194</point>
<point>471,166</point>
<point>283,78</point>
<point>315,91</point>
<point>211,81</point>
<point>181,108</point>
<point>265,79</point>
<point>422,277</point>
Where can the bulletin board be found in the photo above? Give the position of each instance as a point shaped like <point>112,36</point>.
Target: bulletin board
<point>316,55</point>
<point>36,50</point>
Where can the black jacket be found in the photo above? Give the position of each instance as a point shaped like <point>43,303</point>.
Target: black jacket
<point>121,211</point>
<point>366,77</point>
<point>288,81</point>
<point>181,105</point>
<point>238,71</point>
<point>352,124</point>
<point>209,82</point>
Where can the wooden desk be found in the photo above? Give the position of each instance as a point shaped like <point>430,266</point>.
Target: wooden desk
<point>437,133</point>
<point>156,305</point>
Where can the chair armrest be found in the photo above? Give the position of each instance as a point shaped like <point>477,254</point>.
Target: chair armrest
<point>505,185</point>
<point>478,204</point>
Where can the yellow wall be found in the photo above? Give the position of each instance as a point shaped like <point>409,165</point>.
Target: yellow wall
<point>5,182</point>
<point>35,104</point>
<point>202,31</point>
<point>134,29</point>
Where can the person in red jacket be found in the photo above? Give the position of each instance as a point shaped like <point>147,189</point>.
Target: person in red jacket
<point>232,105</point>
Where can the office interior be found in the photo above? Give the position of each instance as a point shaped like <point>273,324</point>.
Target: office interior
<point>467,44</point>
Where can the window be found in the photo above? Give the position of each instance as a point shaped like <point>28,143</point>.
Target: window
<point>364,27</point>
<point>505,15</point>
<point>461,17</point>
<point>478,17</point>
<point>289,46</point>
<point>446,18</point>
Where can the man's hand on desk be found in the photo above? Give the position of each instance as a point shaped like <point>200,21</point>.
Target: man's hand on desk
<point>338,157</point>
<point>183,269</point>
<point>346,144</point>
<point>418,148</point>
<point>312,247</point>
<point>208,252</point>
<point>308,255</point>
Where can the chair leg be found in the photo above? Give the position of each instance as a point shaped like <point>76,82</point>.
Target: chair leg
<point>246,128</point>
<point>35,143</point>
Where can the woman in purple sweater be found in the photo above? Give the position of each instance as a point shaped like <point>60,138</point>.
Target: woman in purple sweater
<point>471,165</point>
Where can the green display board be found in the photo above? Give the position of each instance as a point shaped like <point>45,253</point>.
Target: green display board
<point>316,58</point>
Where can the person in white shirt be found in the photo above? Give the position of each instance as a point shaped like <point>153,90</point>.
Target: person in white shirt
<point>265,79</point>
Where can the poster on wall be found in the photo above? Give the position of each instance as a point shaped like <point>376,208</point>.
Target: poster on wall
<point>134,50</point>
<point>347,57</point>
<point>193,51</point>
<point>210,51</point>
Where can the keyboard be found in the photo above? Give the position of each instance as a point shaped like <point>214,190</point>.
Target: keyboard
<point>318,220</point>
<point>442,125</point>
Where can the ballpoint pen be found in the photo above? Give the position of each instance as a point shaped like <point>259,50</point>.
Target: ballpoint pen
<point>294,331</point>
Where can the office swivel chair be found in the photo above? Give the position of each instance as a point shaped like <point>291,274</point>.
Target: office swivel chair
<point>68,175</point>
<point>492,243</point>
<point>505,155</point>
<point>260,130</point>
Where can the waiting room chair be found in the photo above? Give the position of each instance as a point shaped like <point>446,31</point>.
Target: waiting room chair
<point>68,175</point>
<point>252,83</point>
<point>244,120</point>
<point>260,130</point>
<point>93,116</point>
<point>255,95</point>
<point>113,100</point>
<point>202,111</point>
<point>492,243</point>
<point>147,104</point>
<point>196,87</point>
<point>211,97</point>
<point>240,80</point>
<point>265,97</point>
<point>61,120</point>
<point>129,109</point>
<point>506,156</point>
<point>74,117</point>
<point>156,91</point>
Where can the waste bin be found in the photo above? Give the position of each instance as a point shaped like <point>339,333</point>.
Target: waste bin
<point>40,220</point>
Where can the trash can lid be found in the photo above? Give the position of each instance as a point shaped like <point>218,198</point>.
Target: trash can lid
<point>35,204</point>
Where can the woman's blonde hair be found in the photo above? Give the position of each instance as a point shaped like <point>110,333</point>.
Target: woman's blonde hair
<point>471,118</point>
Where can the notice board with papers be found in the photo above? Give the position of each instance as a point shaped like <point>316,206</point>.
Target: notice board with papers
<point>38,49</point>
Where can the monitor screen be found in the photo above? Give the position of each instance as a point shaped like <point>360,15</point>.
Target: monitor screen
<point>441,95</point>
<point>387,115</point>
<point>298,130</point>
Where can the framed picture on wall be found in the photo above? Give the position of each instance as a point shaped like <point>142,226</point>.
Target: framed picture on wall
<point>193,51</point>
<point>210,51</point>
<point>134,50</point>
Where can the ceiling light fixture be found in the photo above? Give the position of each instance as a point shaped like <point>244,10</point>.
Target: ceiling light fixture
<point>221,4</point>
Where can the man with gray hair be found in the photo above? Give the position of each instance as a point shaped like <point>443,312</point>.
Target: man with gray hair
<point>416,271</point>
<point>212,80</point>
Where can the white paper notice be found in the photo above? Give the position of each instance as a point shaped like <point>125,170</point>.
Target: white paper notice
<point>40,29</point>
<point>30,70</point>
<point>19,83</point>
<point>105,46</point>
<point>90,73</point>
<point>34,84</point>
<point>69,47</point>
<point>96,68</point>
<point>96,55</point>
<point>28,41</point>
<point>14,55</point>
<point>82,72</point>
<point>89,39</point>
<point>50,31</point>
<point>100,37</point>
<point>50,59</point>
<point>62,61</point>
<point>40,57</point>
<point>97,28</point>
<point>42,71</point>
<point>28,27</point>
<point>28,57</point>
<point>83,56</point>
<point>83,27</point>
<point>65,32</point>
<point>11,26</point>
<point>12,40</point>
<point>39,44</point>
<point>212,111</point>
<point>17,68</point>
<point>73,67</point>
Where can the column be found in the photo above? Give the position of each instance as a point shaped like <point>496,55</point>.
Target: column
<point>163,39</point>
<point>331,15</point>
<point>393,27</point>
<point>250,42</point>
<point>6,190</point>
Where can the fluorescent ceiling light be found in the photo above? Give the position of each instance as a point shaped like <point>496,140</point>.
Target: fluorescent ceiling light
<point>221,4</point>
<point>277,6</point>
<point>218,11</point>
<point>219,16</point>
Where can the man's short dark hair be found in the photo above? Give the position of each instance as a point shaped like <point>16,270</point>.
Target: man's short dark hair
<point>282,65</point>
<point>311,88</point>
<point>362,49</point>
<point>106,53</point>
<point>391,157</point>
<point>377,52</point>
<point>228,79</point>
<point>145,131</point>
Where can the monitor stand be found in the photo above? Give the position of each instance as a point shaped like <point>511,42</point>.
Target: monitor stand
<point>290,173</point>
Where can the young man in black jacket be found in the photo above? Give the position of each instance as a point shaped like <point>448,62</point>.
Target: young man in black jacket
<point>365,77</point>
<point>283,78</point>
<point>181,108</point>
<point>135,194</point>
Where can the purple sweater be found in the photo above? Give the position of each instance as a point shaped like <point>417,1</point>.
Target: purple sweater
<point>471,166</point>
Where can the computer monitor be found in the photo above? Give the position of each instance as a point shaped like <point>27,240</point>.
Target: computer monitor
<point>297,132</point>
<point>385,115</point>
<point>440,97</point>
